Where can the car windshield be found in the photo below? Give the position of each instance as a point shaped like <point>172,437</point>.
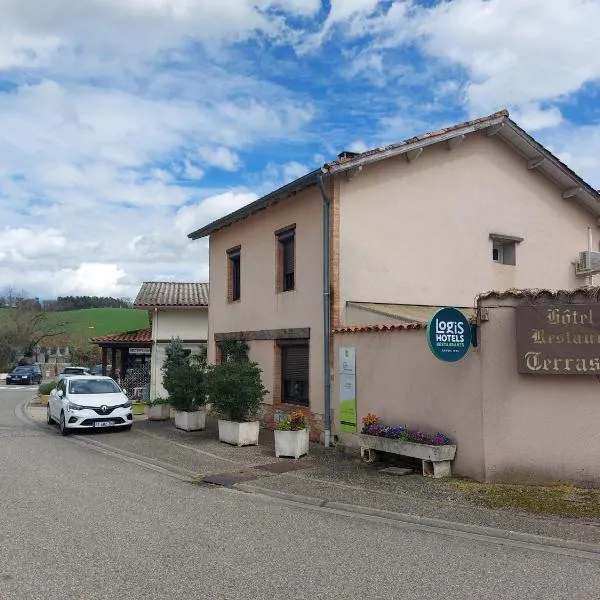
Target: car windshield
<point>93,386</point>
<point>22,369</point>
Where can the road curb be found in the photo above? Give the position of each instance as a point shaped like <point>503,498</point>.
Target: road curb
<point>253,489</point>
<point>431,523</point>
<point>427,522</point>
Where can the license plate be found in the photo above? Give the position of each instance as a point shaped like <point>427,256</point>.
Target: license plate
<point>104,423</point>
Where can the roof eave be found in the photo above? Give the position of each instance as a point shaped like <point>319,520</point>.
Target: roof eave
<point>553,168</point>
<point>359,161</point>
<point>303,182</point>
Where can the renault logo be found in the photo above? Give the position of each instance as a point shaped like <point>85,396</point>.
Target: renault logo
<point>104,408</point>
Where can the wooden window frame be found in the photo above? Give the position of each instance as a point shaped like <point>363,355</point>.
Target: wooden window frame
<point>234,262</point>
<point>286,278</point>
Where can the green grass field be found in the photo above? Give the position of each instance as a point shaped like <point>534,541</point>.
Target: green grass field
<point>80,325</point>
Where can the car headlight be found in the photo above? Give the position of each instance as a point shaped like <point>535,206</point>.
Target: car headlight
<point>71,406</point>
<point>127,404</point>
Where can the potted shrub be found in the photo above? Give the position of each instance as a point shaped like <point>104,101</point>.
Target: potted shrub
<point>158,409</point>
<point>185,381</point>
<point>291,436</point>
<point>236,393</point>
<point>44,391</point>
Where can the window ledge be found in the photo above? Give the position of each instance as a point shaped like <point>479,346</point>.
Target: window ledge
<point>505,239</point>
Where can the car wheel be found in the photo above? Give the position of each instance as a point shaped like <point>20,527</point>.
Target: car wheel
<point>64,430</point>
<point>8,383</point>
<point>49,419</point>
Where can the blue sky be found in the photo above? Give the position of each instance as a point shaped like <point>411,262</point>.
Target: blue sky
<point>126,124</point>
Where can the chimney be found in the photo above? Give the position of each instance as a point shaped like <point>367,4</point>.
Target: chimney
<point>346,154</point>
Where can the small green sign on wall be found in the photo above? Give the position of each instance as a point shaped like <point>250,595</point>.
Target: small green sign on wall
<point>347,373</point>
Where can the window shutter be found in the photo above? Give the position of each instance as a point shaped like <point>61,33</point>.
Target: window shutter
<point>294,363</point>
<point>288,256</point>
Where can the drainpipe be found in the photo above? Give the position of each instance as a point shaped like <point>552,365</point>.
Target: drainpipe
<point>154,355</point>
<point>326,307</point>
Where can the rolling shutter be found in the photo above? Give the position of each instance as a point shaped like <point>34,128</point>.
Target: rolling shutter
<point>294,363</point>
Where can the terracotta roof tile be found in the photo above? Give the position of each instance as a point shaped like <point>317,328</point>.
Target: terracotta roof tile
<point>170,293</point>
<point>138,336</point>
<point>379,328</point>
<point>567,296</point>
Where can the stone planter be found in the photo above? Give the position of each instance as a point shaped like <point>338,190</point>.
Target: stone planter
<point>138,408</point>
<point>158,412</point>
<point>44,399</point>
<point>239,434</point>
<point>190,421</point>
<point>436,460</point>
<point>291,443</point>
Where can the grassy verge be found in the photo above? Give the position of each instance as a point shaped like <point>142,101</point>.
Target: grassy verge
<point>559,500</point>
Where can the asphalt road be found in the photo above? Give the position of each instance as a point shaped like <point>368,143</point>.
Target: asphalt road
<point>79,524</point>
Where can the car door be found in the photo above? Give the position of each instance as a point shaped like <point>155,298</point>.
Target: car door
<point>55,401</point>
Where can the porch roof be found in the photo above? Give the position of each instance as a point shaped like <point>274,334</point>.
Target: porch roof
<point>136,338</point>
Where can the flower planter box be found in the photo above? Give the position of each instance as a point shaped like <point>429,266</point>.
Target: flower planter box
<point>44,399</point>
<point>291,443</point>
<point>138,408</point>
<point>436,460</point>
<point>239,434</point>
<point>159,412</point>
<point>190,421</point>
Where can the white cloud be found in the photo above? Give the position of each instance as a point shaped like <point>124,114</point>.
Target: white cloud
<point>293,170</point>
<point>22,244</point>
<point>358,146</point>
<point>91,278</point>
<point>533,117</point>
<point>197,215</point>
<point>220,157</point>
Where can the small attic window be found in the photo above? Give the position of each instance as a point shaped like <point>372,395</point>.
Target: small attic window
<point>504,248</point>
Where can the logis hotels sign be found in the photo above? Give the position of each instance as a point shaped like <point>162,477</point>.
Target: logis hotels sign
<point>558,339</point>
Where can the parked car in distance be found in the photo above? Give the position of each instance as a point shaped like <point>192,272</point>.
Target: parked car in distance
<point>69,371</point>
<point>97,369</point>
<point>88,402</point>
<point>25,375</point>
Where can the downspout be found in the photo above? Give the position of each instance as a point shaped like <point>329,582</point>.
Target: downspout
<point>154,355</point>
<point>326,308</point>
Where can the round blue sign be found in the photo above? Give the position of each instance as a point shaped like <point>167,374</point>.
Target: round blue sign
<point>449,334</point>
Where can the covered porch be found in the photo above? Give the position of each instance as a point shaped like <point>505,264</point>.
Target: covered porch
<point>126,357</point>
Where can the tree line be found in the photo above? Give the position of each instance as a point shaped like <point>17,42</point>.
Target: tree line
<point>12,298</point>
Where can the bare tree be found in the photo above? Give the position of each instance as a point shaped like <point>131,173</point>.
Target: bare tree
<point>22,329</point>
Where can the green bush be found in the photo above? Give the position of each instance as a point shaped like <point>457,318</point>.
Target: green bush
<point>236,389</point>
<point>184,378</point>
<point>45,388</point>
<point>157,401</point>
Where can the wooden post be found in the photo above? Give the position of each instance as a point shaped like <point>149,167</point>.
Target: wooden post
<point>113,362</point>
<point>104,359</point>
<point>124,363</point>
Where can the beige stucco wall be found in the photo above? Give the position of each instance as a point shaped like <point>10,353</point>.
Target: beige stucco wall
<point>157,361</point>
<point>260,307</point>
<point>536,427</point>
<point>399,379</point>
<point>509,427</point>
<point>418,233</point>
<point>263,352</point>
<point>185,323</point>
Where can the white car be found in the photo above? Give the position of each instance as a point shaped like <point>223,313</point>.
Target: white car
<point>88,402</point>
